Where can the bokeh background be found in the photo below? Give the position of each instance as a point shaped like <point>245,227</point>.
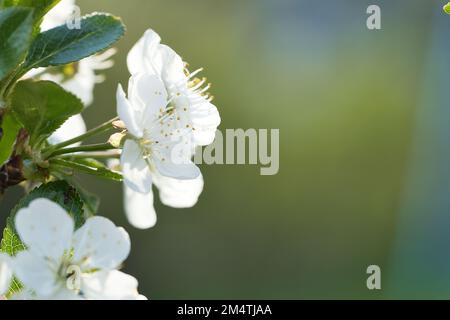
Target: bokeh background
<point>364,153</point>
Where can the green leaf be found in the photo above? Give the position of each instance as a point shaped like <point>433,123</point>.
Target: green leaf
<point>62,45</point>
<point>16,26</point>
<point>91,201</point>
<point>42,107</point>
<point>41,7</point>
<point>9,3</point>
<point>8,134</point>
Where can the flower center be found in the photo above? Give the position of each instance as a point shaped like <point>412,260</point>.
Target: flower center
<point>73,278</point>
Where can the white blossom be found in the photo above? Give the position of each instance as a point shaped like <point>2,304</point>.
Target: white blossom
<point>155,142</point>
<point>158,151</point>
<point>61,263</point>
<point>187,93</point>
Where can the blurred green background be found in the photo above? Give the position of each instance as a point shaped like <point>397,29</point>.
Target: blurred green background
<point>346,101</point>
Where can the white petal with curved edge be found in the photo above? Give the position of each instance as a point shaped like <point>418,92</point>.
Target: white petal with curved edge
<point>73,127</point>
<point>45,228</point>
<point>172,67</point>
<point>99,244</point>
<point>144,49</point>
<point>187,171</point>
<point>136,172</point>
<point>204,114</point>
<point>36,274</point>
<point>152,57</point>
<point>5,273</point>
<point>205,119</point>
<point>128,114</point>
<point>175,162</point>
<point>178,193</point>
<point>135,58</point>
<point>109,285</point>
<point>139,208</point>
<point>204,136</point>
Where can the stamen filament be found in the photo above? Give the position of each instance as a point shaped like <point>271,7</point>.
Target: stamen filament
<point>88,148</point>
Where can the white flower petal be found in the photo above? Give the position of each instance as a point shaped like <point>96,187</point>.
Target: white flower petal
<point>196,112</point>
<point>110,285</point>
<point>99,244</point>
<point>205,137</point>
<point>33,73</point>
<point>148,91</point>
<point>150,56</point>
<point>101,61</point>
<point>60,294</point>
<point>175,162</point>
<point>139,208</point>
<point>36,274</point>
<point>205,119</point>
<point>5,273</point>
<point>137,55</point>
<point>45,228</point>
<point>178,193</point>
<point>171,66</point>
<point>73,127</point>
<point>24,294</point>
<point>187,171</point>
<point>128,114</point>
<point>135,169</point>
<point>65,294</point>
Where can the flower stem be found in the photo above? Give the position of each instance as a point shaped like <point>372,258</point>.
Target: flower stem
<point>93,155</point>
<point>88,148</point>
<point>100,129</point>
<point>59,164</point>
